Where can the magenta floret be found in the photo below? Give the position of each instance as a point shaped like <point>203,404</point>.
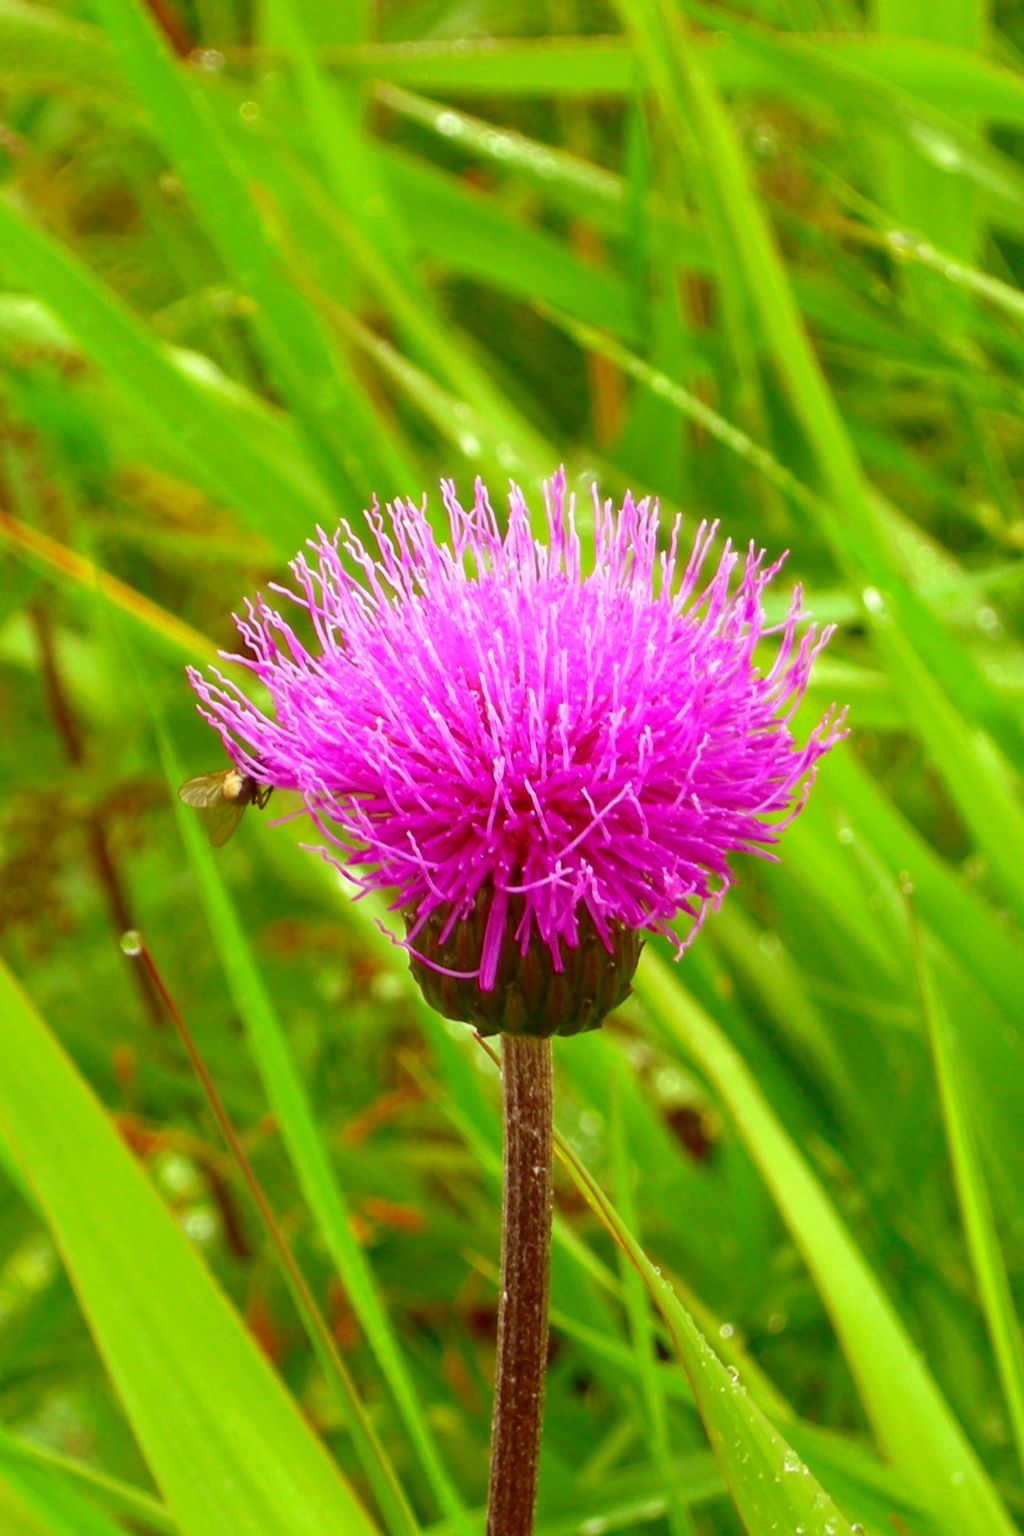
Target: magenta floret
<point>486,713</point>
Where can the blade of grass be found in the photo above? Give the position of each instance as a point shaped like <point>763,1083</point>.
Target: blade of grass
<point>814,75</point>
<point>30,1509</point>
<point>972,1192</point>
<point>642,1335</point>
<point>769,1484</point>
<point>35,1462</point>
<point>224,1441</point>
<point>914,1424</point>
<point>433,339</point>
<point>381,1475</point>
<point>210,443</point>
<point>333,110</point>
<point>44,49</point>
<point>348,445</point>
<point>944,208</point>
<point>173,637</point>
<point>629,1500</point>
<point>941,78</point>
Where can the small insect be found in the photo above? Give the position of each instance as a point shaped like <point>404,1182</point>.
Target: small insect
<point>222,798</point>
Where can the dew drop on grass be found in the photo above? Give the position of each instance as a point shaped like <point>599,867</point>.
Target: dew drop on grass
<point>873,601</point>
<point>900,243</point>
<point>209,59</point>
<point>791,1462</point>
<point>131,942</point>
<point>501,145</point>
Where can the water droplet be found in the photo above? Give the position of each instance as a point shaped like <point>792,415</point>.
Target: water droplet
<point>940,149</point>
<point>501,145</point>
<point>873,600</point>
<point>845,834</point>
<point>469,445</point>
<point>449,123</point>
<point>726,1331</point>
<point>901,244</point>
<point>906,884</point>
<point>988,620</point>
<point>210,59</point>
<point>200,1225</point>
<point>791,1462</point>
<point>249,111</point>
<point>131,942</point>
<point>777,1322</point>
<point>733,1374</point>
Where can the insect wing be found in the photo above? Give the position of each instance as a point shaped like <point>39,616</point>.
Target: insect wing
<point>221,820</point>
<point>203,792</point>
<point>220,814</point>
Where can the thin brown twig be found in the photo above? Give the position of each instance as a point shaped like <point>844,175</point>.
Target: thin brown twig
<point>70,734</point>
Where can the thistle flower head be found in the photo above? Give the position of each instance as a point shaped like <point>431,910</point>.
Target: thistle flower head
<point>521,743</point>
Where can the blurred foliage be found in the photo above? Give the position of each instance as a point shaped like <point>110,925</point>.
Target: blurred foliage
<point>258,265</point>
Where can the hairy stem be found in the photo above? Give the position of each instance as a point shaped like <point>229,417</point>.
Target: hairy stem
<point>525,1260</point>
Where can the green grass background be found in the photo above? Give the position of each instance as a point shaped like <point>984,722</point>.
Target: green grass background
<point>258,264</point>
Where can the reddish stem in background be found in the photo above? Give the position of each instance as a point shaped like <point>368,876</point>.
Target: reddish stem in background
<point>525,1263</point>
<point>103,864</point>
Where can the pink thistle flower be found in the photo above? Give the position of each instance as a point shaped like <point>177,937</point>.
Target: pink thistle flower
<point>487,719</point>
